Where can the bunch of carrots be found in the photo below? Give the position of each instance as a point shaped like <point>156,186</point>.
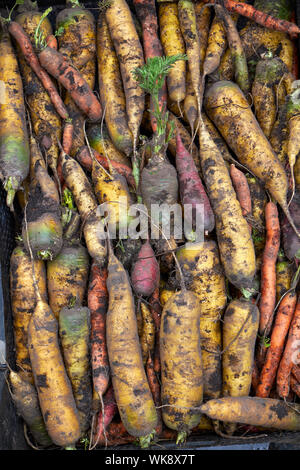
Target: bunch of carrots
<point>143,339</point>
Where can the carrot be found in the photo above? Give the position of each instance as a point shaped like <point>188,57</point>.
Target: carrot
<point>23,303</point>
<point>27,49</point>
<point>240,129</point>
<point>236,49</point>
<point>43,211</point>
<point>52,41</point>
<point>173,43</point>
<point>74,332</point>
<point>67,276</point>
<point>181,374</point>
<point>76,26</point>
<point>203,22</point>
<point>53,386</point>
<point>268,269</point>
<point>260,17</point>
<point>111,89</point>
<point>46,122</point>
<point>192,190</point>
<point>85,160</point>
<point>68,137</point>
<point>61,69</point>
<point>216,45</point>
<point>240,325</point>
<point>242,191</point>
<point>111,190</point>
<point>185,137</point>
<point>26,401</point>
<point>100,141</point>
<point>70,78</point>
<point>239,260</point>
<point>146,12</point>
<point>97,303</point>
<point>130,55</point>
<point>146,332</point>
<point>188,26</point>
<point>145,271</point>
<point>14,148</point>
<point>105,416</point>
<point>265,412</point>
<point>289,355</point>
<point>132,393</point>
<point>281,327</point>
<point>190,105</point>
<point>217,138</point>
<point>269,73</point>
<point>77,42</point>
<point>203,275</point>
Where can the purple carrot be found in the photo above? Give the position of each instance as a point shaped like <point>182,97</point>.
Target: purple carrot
<point>105,416</point>
<point>145,271</point>
<point>191,188</point>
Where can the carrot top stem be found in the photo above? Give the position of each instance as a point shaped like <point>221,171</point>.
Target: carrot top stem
<point>151,78</point>
<point>145,441</point>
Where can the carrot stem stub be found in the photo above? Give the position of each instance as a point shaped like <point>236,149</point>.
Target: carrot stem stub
<point>60,68</point>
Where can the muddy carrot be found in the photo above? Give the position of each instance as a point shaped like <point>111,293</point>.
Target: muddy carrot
<point>97,303</point>
<point>274,352</point>
<point>268,269</point>
<point>289,355</point>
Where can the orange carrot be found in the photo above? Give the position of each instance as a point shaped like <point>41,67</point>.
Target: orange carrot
<point>71,79</point>
<point>85,160</point>
<point>260,17</point>
<point>98,303</point>
<point>281,327</point>
<point>26,47</point>
<point>289,355</point>
<point>67,137</point>
<point>268,269</point>
<point>51,41</point>
<point>242,190</point>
